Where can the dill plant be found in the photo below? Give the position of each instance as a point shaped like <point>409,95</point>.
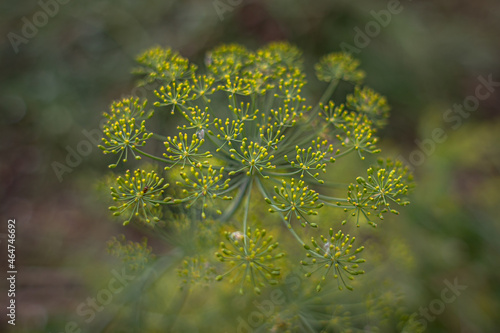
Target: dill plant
<point>248,135</point>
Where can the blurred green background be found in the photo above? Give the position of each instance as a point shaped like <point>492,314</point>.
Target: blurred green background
<point>426,59</point>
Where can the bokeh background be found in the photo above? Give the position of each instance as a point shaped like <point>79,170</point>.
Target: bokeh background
<point>427,58</point>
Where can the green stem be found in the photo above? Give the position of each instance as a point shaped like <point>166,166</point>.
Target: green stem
<point>289,227</point>
<point>247,206</point>
<point>177,307</point>
<point>326,197</point>
<point>326,95</point>
<point>278,174</point>
<point>269,101</point>
<point>159,137</point>
<point>343,153</point>
<point>156,158</point>
<point>236,202</point>
<point>331,204</point>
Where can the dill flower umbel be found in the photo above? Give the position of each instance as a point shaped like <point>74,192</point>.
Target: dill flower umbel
<point>163,65</point>
<point>123,131</point>
<point>204,185</point>
<point>250,256</point>
<point>295,200</point>
<point>339,66</point>
<point>387,183</point>
<point>334,255</point>
<point>196,271</point>
<point>140,193</point>
<point>366,100</point>
<point>135,255</point>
